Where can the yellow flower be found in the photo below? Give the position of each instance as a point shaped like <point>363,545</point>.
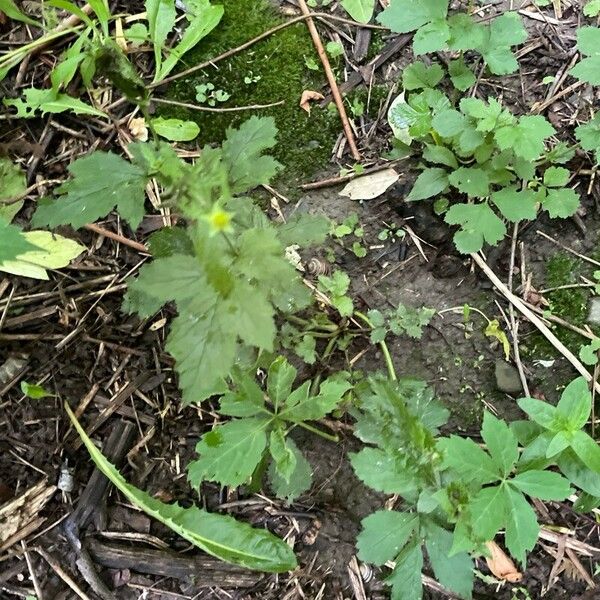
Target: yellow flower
<point>219,220</point>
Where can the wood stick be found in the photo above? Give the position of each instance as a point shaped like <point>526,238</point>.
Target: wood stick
<point>116,237</point>
<point>524,310</point>
<point>337,97</point>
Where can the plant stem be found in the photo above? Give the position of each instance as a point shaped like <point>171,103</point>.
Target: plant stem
<point>384,347</point>
<point>327,436</point>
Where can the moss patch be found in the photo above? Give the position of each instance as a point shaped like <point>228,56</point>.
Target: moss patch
<point>270,71</point>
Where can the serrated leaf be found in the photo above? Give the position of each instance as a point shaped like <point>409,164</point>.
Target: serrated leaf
<point>410,320</point>
<point>465,33</point>
<point>501,443</point>
<point>406,576</point>
<point>545,485</point>
<point>247,400</point>
<point>588,43</point>
<point>48,101</point>
<point>526,138</point>
<point>280,381</point>
<point>505,31</point>
<point>87,197</point>
<point>46,251</point>
<point>556,176</point>
<point>384,534</point>
<point>431,37</point>
<point>587,450</point>
<point>403,16</point>
<point>478,223</point>
<point>300,479</point>
<point>382,472</point>
<point>242,152</point>
<point>465,457</point>
<point>218,535</point>
<point>306,349</point>
<point>522,528</point>
<point>561,202</point>
<point>461,76</point>
<point>440,155</point>
<point>588,135</point>
<point>176,130</point>
<point>418,75</point>
<point>472,181</point>
<point>516,205</point>
<point>230,453</point>
<point>489,511</point>
<point>169,241</point>
<point>453,572</point>
<point>431,182</point>
<point>283,456</point>
<point>448,123</point>
<point>359,10</point>
<point>331,393</point>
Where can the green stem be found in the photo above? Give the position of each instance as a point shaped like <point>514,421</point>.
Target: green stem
<point>327,436</point>
<point>384,348</point>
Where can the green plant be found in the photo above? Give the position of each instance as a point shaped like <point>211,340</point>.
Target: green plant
<point>456,495</point>
<point>588,43</point>
<point>218,535</point>
<point>402,320</point>
<point>238,451</point>
<point>436,31</point>
<point>359,10</point>
<point>481,152</point>
<point>206,94</point>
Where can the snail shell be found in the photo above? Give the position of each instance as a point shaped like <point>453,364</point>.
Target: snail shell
<point>316,267</point>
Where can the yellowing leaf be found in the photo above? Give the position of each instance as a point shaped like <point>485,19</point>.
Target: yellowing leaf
<point>493,330</point>
<point>52,252</point>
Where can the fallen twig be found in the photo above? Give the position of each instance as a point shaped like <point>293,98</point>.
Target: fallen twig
<point>217,110</point>
<point>116,237</point>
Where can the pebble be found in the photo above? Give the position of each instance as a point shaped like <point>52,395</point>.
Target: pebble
<point>507,378</point>
<point>594,314</point>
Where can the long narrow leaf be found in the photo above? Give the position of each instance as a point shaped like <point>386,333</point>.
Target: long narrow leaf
<point>10,9</point>
<point>218,535</point>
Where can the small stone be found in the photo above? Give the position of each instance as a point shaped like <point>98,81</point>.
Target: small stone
<point>507,378</point>
<point>594,314</point>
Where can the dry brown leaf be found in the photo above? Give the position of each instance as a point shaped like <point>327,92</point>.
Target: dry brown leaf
<point>370,186</point>
<point>501,565</point>
<point>120,35</point>
<point>307,97</point>
<point>138,129</point>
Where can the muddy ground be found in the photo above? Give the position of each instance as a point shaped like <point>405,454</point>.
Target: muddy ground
<point>70,335</point>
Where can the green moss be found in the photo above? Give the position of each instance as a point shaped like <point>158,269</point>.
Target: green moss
<point>305,141</point>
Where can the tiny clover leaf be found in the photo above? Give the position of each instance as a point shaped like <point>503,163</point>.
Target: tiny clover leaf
<point>516,205</point>
<point>418,75</point>
<point>232,452</point>
<point>588,135</point>
<point>588,43</point>
<point>88,196</point>
<point>504,32</point>
<point>431,182</point>
<point>478,224</point>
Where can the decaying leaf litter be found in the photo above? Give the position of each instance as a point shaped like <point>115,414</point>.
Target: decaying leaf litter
<point>70,337</point>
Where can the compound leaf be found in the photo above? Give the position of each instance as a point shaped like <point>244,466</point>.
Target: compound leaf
<point>522,528</point>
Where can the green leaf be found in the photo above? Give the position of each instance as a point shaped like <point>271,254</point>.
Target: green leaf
<point>359,10</point>
<point>501,443</point>
<point>478,223</point>
<point>561,203</point>
<point>12,180</point>
<point>10,9</point>
<point>418,75</point>
<point>161,15</point>
<point>33,391</point>
<point>406,576</point>
<point>431,37</point>
<point>12,242</point>
<point>526,139</point>
<point>46,251</point>
<point>384,533</point>
<point>410,320</point>
<point>453,572</point>
<point>87,197</point>
<point>578,473</point>
<point>242,152</point>
<point>176,130</point>
<point>588,43</point>
<point>247,400</point>
<point>382,472</point>
<point>588,135</point>
<point>541,412</point>
<point>431,182</point>
<point>575,403</point>
<point>587,450</point>
<point>230,453</point>
<point>461,76</point>
<point>48,101</point>
<point>465,457</point>
<point>516,205</point>
<point>472,181</point>
<point>522,528</point>
<point>465,33</point>
<point>169,241</point>
<point>306,349</point>
<point>556,176</point>
<point>448,123</point>
<point>403,16</point>
<point>545,485</point>
<point>558,443</point>
<point>280,381</point>
<point>489,511</point>
<point>218,535</point>
<point>203,19</point>
<point>588,354</point>
<point>282,454</point>
<point>300,479</point>
<point>505,31</point>
<point>440,155</point>
<point>592,8</point>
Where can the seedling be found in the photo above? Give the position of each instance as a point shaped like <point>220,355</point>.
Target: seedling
<point>207,94</point>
